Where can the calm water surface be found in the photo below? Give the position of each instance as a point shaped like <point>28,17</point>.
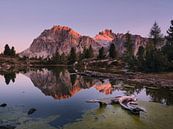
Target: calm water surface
<point>60,96</point>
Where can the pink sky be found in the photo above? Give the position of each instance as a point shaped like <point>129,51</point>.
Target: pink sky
<point>22,21</point>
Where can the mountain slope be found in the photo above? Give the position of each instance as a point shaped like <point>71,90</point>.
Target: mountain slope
<point>62,38</point>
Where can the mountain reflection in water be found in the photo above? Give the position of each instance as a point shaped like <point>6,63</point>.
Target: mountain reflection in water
<point>60,83</point>
<point>65,93</point>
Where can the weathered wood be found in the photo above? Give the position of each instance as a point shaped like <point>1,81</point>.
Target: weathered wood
<point>107,101</point>
<point>127,102</point>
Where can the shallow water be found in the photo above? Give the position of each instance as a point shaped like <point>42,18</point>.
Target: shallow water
<point>60,99</point>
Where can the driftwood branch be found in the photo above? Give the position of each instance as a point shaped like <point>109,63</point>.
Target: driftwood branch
<point>127,102</point>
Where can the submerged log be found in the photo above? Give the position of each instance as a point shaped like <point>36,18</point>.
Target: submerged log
<point>127,102</point>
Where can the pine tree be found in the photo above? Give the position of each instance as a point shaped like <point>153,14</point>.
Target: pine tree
<point>91,52</point>
<point>168,48</point>
<point>140,57</point>
<point>12,51</point>
<point>83,55</point>
<point>101,53</point>
<point>155,35</point>
<point>112,51</point>
<point>128,53</point>
<point>154,59</point>
<point>72,57</point>
<point>63,58</point>
<point>7,50</point>
<point>56,58</point>
<point>88,52</point>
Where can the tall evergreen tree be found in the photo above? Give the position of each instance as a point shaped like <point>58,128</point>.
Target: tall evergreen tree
<point>154,59</point>
<point>72,57</point>
<point>63,58</point>
<point>12,51</point>
<point>7,50</point>
<point>56,58</point>
<point>168,48</point>
<point>112,51</point>
<point>155,35</point>
<point>140,57</point>
<point>83,55</point>
<point>101,53</point>
<point>88,52</point>
<point>128,53</point>
<point>91,52</point>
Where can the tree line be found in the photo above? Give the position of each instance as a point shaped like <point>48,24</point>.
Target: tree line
<point>87,53</point>
<point>9,51</point>
<point>156,56</point>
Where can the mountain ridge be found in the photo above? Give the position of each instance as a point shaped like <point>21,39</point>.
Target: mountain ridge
<point>62,38</point>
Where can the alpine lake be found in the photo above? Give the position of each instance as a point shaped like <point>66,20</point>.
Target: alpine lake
<point>58,97</point>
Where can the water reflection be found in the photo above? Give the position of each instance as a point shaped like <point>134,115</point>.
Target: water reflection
<point>104,86</point>
<point>69,92</point>
<point>61,84</point>
<point>11,76</point>
<point>163,96</point>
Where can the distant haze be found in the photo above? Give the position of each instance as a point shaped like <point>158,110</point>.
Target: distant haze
<point>23,20</point>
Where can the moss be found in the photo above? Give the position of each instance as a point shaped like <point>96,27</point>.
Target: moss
<point>113,117</point>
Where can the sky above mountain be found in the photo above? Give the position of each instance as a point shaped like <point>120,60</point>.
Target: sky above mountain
<point>23,20</point>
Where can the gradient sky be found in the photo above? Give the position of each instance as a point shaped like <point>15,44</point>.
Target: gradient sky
<point>23,20</point>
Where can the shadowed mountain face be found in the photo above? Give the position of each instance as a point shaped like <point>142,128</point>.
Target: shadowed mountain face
<point>62,38</point>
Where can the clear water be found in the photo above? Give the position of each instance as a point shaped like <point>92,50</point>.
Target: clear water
<point>59,96</point>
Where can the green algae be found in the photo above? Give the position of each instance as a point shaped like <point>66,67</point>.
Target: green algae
<point>114,117</point>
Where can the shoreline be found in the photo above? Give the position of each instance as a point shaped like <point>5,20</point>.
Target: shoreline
<point>111,69</point>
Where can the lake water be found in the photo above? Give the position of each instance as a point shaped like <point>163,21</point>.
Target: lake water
<point>59,97</point>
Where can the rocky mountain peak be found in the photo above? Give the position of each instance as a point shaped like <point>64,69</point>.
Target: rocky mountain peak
<point>62,38</point>
<point>64,29</point>
<point>105,36</point>
<point>107,32</point>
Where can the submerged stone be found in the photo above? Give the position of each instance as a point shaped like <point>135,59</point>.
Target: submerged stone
<point>3,105</point>
<point>31,111</point>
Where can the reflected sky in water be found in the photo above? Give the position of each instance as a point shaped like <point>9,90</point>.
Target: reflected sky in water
<point>58,92</point>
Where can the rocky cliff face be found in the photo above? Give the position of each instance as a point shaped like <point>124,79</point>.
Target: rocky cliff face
<point>58,39</point>
<point>106,37</point>
<point>61,39</point>
<point>137,41</point>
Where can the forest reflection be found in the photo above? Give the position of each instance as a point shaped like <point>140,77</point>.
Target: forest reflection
<point>9,77</point>
<point>63,83</point>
